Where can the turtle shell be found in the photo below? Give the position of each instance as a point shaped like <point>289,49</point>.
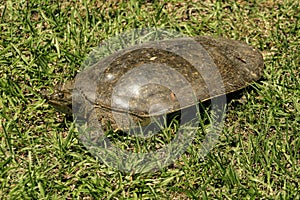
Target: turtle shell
<point>151,79</point>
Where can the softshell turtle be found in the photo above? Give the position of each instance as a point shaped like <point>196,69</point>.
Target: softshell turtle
<point>110,83</point>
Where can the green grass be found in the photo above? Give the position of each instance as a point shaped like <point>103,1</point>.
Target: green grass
<point>43,43</point>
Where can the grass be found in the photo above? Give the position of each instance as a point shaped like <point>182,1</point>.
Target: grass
<point>43,43</point>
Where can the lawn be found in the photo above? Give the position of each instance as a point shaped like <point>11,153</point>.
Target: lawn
<point>43,43</point>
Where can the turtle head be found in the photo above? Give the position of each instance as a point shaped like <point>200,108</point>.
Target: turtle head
<point>61,99</point>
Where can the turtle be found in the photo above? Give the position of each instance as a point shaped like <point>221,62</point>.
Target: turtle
<point>118,78</point>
